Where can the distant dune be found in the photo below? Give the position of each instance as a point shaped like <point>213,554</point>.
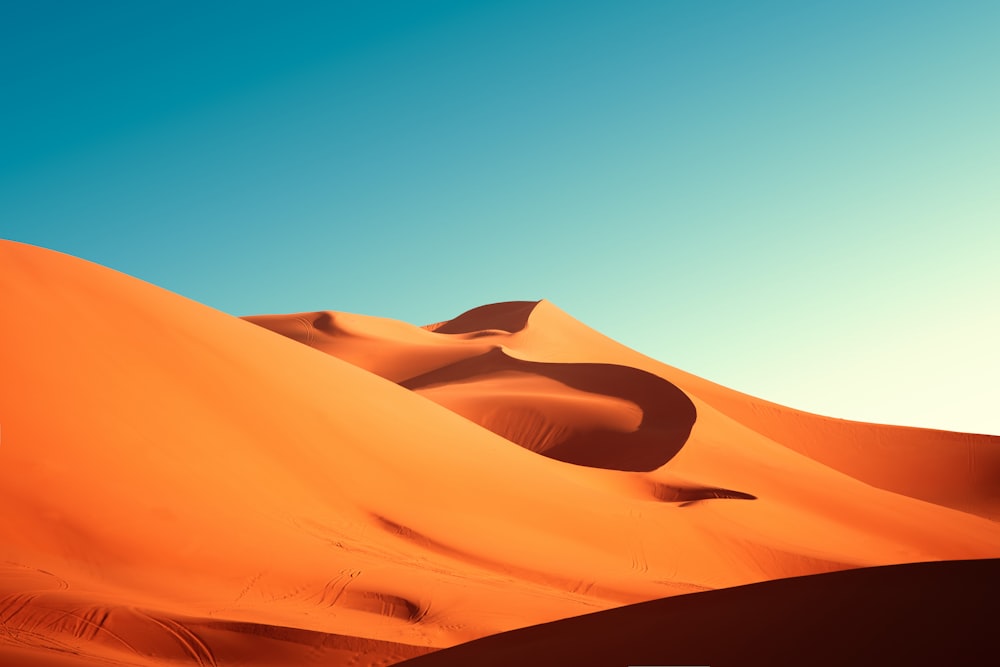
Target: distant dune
<point>183,487</point>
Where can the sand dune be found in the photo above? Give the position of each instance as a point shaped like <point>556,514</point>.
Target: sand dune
<point>924,614</point>
<point>957,470</point>
<point>180,486</point>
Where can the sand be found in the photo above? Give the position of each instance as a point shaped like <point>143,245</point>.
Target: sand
<point>915,614</point>
<point>181,486</point>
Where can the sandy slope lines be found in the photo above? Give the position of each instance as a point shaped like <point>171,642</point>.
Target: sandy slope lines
<point>334,589</point>
<point>190,642</point>
<point>639,561</point>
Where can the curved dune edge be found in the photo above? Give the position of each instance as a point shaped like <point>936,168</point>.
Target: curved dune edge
<point>914,614</point>
<point>598,415</point>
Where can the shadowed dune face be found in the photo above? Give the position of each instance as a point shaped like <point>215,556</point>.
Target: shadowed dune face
<point>686,495</point>
<point>598,415</point>
<point>914,614</point>
<point>505,317</point>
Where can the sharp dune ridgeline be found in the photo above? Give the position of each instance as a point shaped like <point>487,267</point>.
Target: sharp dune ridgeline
<point>179,486</point>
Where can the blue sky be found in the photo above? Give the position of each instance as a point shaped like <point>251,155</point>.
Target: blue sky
<point>797,200</point>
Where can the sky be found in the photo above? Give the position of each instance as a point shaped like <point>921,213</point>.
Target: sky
<point>800,201</point>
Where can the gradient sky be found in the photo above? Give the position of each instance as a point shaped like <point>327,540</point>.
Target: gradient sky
<point>799,200</point>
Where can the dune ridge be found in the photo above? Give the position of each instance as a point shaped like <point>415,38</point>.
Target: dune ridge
<point>180,486</point>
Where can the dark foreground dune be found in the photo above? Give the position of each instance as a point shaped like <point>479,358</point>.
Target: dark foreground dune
<point>941,613</point>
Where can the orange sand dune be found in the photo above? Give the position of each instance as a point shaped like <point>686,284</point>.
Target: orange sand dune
<point>179,486</point>
<point>957,470</point>
<point>924,614</point>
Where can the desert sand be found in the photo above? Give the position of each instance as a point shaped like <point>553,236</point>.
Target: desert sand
<point>179,486</point>
<point>915,614</point>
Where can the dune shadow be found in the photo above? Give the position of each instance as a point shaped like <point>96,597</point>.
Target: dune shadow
<point>506,317</point>
<point>668,415</point>
<point>689,494</point>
